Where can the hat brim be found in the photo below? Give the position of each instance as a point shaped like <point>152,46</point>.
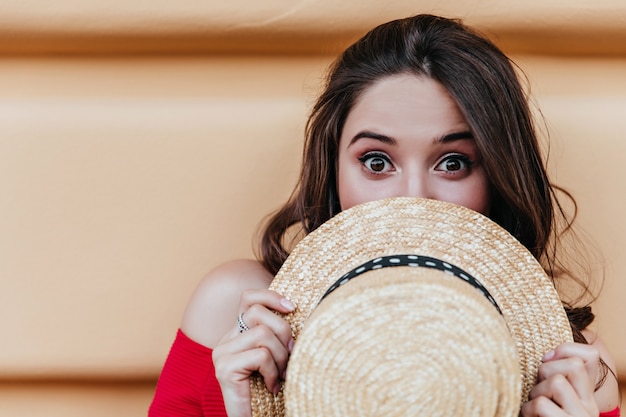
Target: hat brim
<point>469,240</point>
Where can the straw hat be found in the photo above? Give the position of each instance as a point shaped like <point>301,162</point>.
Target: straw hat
<point>457,326</point>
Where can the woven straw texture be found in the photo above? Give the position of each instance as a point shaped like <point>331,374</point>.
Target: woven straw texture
<point>404,342</point>
<point>530,305</point>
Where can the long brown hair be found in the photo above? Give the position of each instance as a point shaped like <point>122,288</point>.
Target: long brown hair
<point>484,84</point>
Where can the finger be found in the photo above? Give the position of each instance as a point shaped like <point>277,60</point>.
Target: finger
<point>256,337</point>
<point>258,315</point>
<point>233,373</point>
<point>558,390</point>
<point>267,298</point>
<point>541,407</point>
<point>578,363</point>
<point>262,361</point>
<point>573,370</point>
<point>263,337</point>
<point>587,353</point>
<point>234,370</point>
<point>272,360</point>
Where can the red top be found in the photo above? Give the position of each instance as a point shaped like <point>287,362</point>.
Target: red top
<point>614,413</point>
<point>188,386</point>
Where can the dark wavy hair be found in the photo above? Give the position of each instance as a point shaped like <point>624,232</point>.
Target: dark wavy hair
<point>485,85</point>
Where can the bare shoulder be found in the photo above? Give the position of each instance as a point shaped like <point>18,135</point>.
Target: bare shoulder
<point>607,395</point>
<point>212,309</point>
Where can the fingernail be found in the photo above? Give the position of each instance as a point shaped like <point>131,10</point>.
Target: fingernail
<point>284,374</point>
<point>287,304</point>
<point>290,345</point>
<point>276,389</point>
<point>549,355</point>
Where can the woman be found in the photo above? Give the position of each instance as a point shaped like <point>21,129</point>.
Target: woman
<point>419,107</point>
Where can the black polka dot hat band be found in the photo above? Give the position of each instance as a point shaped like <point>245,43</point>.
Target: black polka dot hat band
<point>412,261</point>
<point>401,340</point>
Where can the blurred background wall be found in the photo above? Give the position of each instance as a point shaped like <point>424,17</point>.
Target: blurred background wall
<point>142,142</point>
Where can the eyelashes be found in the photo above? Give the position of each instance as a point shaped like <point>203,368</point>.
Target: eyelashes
<point>454,163</point>
<point>380,163</point>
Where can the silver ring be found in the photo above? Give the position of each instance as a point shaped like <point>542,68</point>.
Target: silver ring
<point>242,324</point>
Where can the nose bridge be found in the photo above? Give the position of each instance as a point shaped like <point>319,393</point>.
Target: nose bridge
<point>416,184</point>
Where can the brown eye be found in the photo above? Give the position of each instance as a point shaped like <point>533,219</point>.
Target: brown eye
<point>376,163</point>
<point>454,163</point>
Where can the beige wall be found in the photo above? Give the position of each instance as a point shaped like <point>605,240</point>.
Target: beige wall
<point>136,154</point>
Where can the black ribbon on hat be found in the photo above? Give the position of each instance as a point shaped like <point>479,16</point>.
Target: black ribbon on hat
<point>413,261</point>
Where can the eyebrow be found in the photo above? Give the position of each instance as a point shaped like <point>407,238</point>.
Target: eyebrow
<point>371,135</point>
<point>450,137</point>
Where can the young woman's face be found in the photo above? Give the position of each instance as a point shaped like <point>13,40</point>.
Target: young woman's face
<point>406,137</point>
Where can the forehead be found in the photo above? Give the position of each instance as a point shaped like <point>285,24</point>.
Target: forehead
<point>405,103</point>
